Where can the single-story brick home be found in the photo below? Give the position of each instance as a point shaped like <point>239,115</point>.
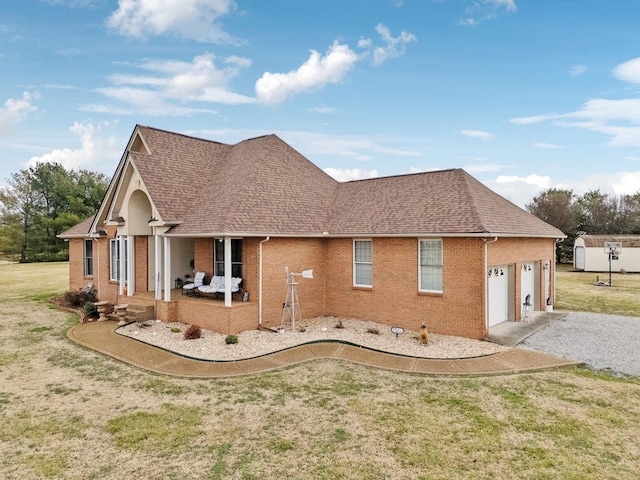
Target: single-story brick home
<point>438,248</point>
<point>591,253</point>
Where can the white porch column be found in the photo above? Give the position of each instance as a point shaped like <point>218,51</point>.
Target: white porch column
<point>167,269</point>
<point>131,265</point>
<point>227,271</point>
<point>157,276</point>
<point>123,265</point>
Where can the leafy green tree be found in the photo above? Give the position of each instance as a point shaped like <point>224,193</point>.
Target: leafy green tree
<point>41,202</point>
<point>557,207</point>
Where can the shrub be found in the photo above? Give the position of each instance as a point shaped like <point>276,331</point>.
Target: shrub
<point>231,339</point>
<point>339,324</point>
<point>78,299</point>
<point>373,331</point>
<point>90,310</point>
<point>193,332</point>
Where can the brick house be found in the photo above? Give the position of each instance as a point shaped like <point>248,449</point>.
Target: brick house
<point>437,248</point>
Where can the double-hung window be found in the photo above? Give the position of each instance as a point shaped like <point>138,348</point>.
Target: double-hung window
<point>363,263</point>
<point>236,257</point>
<point>88,258</point>
<point>430,265</point>
<point>114,258</point>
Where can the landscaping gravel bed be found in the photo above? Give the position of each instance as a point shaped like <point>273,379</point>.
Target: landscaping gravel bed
<point>253,343</point>
<point>604,342</point>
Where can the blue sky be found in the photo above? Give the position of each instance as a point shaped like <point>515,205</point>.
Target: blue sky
<point>523,94</point>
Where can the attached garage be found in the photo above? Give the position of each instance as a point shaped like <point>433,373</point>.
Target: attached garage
<point>498,279</point>
<point>589,253</point>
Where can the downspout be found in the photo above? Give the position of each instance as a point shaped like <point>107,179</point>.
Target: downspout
<point>260,282</point>
<point>98,269</point>
<point>486,281</point>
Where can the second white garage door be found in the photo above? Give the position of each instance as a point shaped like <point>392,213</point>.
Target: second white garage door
<point>498,295</point>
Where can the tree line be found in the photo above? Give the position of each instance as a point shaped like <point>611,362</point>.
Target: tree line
<point>41,202</point>
<point>593,213</point>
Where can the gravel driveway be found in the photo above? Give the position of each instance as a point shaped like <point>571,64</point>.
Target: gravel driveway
<point>604,342</point>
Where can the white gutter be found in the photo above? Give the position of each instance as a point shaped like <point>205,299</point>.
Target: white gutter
<point>260,282</point>
<point>486,282</point>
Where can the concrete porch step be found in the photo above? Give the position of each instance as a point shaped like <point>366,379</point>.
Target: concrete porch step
<point>136,313</point>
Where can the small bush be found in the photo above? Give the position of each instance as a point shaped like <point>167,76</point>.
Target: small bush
<point>373,331</point>
<point>339,324</point>
<point>193,332</point>
<point>231,339</point>
<point>90,310</point>
<point>175,330</point>
<point>78,299</point>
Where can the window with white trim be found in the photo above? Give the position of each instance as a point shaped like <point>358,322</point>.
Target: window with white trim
<point>88,258</point>
<point>114,258</point>
<point>236,257</point>
<point>430,265</point>
<point>363,263</point>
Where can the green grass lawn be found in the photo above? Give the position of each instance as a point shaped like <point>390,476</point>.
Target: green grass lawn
<point>577,291</point>
<point>70,413</point>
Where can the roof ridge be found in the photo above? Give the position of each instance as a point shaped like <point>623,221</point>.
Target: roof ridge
<point>473,201</point>
<point>190,137</point>
<point>400,175</point>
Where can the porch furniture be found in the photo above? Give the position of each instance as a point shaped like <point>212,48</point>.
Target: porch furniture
<point>198,281</point>
<point>216,282</point>
<point>217,286</point>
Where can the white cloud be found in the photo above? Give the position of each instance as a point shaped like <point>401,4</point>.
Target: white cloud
<point>628,71</point>
<point>619,119</point>
<point>546,145</point>
<point>346,174</point>
<point>478,134</point>
<point>533,119</point>
<point>480,10</point>
<point>194,19</point>
<point>93,150</point>
<point>519,190</point>
<point>15,110</point>
<point>577,70</point>
<point>173,81</point>
<point>315,73</point>
<point>394,46</point>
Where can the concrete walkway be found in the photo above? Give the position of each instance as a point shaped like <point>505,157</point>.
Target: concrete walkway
<point>101,337</point>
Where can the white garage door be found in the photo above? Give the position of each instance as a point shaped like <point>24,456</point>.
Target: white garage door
<point>498,295</point>
<point>527,282</point>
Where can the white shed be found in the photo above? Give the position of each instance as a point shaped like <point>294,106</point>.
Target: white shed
<point>589,253</point>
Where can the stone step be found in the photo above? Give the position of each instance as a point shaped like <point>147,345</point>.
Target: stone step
<point>136,313</point>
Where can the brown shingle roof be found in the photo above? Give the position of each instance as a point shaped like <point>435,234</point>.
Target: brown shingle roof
<point>79,230</point>
<point>628,241</point>
<point>262,186</point>
<point>442,202</point>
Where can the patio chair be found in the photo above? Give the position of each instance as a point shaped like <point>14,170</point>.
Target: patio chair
<point>198,281</point>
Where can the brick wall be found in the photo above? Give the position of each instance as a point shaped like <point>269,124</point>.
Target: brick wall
<point>394,298</point>
<point>513,252</point>
<point>298,254</point>
<point>142,272</point>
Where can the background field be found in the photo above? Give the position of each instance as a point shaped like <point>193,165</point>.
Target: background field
<point>66,412</point>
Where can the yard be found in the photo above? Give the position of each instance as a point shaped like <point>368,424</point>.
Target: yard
<point>66,412</point>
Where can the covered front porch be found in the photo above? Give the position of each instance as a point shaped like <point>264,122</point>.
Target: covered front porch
<point>206,311</point>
